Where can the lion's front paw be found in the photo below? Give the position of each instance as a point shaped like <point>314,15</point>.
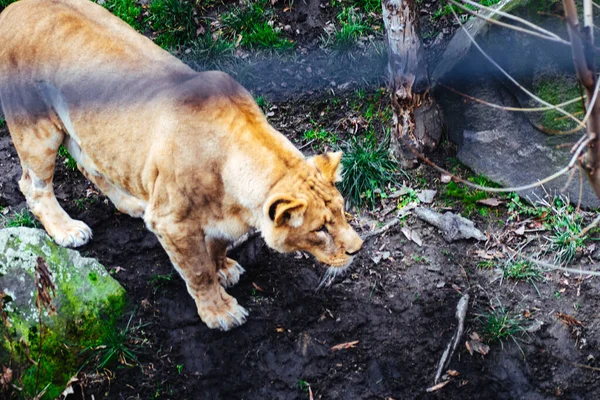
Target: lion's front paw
<point>222,312</point>
<point>230,274</point>
<point>73,234</point>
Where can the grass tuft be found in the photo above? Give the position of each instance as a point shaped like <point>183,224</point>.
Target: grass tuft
<point>128,10</point>
<point>68,159</point>
<point>117,345</point>
<point>255,29</point>
<point>352,26</point>
<point>172,22</point>
<point>23,218</point>
<point>368,168</point>
<point>523,270</point>
<point>500,324</point>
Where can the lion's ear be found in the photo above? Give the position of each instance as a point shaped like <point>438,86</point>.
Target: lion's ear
<point>286,210</point>
<point>329,164</point>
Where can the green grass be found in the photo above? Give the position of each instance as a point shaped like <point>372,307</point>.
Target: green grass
<point>172,22</point>
<point>263,103</point>
<point>488,264</point>
<point>523,270</point>
<point>500,324</point>
<point>2,122</point>
<point>368,167</point>
<point>253,22</point>
<point>128,10</point>
<point>84,202</point>
<point>368,6</point>
<point>556,90</point>
<point>23,218</point>
<point>456,193</point>
<point>321,135</point>
<point>159,281</point>
<point>68,159</point>
<point>446,9</point>
<point>351,25</point>
<point>566,225</point>
<point>117,346</point>
<point>213,50</point>
<point>5,3</point>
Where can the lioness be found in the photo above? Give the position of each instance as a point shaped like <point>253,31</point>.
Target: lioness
<point>191,153</point>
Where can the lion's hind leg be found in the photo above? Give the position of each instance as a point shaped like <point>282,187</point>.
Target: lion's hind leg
<point>37,145</point>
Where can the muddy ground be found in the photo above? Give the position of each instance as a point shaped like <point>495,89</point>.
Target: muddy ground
<point>398,301</point>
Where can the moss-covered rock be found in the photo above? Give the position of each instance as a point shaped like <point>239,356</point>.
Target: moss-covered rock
<point>87,302</point>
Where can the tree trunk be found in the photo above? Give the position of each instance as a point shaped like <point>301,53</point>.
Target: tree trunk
<point>582,47</point>
<point>417,121</point>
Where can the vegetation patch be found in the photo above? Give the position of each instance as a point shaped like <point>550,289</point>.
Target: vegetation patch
<point>556,90</point>
<point>68,160</point>
<point>500,324</point>
<point>252,25</point>
<point>172,22</point>
<point>23,218</point>
<point>367,169</point>
<point>459,194</point>
<point>128,10</point>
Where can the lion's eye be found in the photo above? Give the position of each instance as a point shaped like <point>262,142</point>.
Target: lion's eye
<point>323,228</point>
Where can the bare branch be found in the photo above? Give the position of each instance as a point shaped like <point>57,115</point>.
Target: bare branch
<point>563,171</point>
<point>588,16</point>
<point>517,109</point>
<point>491,60</point>
<point>557,267</point>
<point>542,33</point>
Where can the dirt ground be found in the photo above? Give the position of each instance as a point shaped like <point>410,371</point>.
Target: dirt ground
<point>398,301</point>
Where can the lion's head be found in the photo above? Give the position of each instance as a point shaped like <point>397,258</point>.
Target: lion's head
<point>305,211</point>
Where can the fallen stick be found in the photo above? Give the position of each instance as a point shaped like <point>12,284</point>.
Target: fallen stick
<point>461,313</point>
<point>390,224</point>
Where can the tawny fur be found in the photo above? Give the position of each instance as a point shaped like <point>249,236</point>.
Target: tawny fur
<point>189,152</point>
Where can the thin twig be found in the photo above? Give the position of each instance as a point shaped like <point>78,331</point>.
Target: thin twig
<point>559,268</point>
<point>508,76</point>
<point>588,228</point>
<point>502,190</point>
<point>557,133</point>
<point>553,38</point>
<point>515,18</point>
<point>461,314</point>
<point>517,109</point>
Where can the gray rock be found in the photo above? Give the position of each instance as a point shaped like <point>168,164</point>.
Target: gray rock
<point>506,146</point>
<point>87,301</point>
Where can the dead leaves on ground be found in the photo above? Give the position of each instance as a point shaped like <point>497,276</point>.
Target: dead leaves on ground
<point>476,345</point>
<point>344,346</point>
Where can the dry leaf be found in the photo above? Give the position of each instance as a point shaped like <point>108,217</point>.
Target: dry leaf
<point>279,330</point>
<point>344,346</point>
<point>477,346</point>
<point>257,287</point>
<point>412,235</point>
<point>437,387</point>
<point>6,377</point>
<point>310,394</point>
<point>492,202</point>
<point>520,230</point>
<point>453,373</point>
<point>426,196</point>
<point>567,319</point>
<point>446,178</point>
